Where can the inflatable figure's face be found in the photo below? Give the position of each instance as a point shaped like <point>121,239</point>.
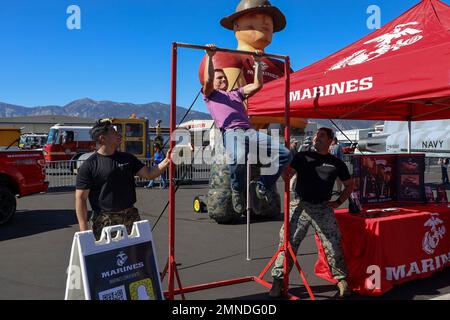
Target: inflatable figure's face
<point>220,81</point>
<point>255,29</point>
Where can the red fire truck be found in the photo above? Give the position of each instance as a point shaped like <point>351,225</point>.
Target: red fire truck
<point>67,142</point>
<point>21,173</point>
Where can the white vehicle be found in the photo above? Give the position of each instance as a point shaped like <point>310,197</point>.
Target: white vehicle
<point>30,141</point>
<point>198,139</point>
<point>429,137</point>
<point>355,135</point>
<point>200,128</point>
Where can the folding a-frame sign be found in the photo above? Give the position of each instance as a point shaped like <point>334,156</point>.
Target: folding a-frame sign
<point>171,266</point>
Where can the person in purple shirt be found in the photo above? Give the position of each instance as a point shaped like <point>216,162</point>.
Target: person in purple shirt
<point>229,113</point>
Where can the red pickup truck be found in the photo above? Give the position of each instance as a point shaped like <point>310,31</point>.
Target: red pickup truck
<point>21,173</point>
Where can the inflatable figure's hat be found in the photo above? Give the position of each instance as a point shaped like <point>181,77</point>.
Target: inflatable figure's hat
<point>263,6</point>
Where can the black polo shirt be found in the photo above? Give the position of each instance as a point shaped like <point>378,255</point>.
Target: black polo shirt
<point>110,180</point>
<point>317,174</point>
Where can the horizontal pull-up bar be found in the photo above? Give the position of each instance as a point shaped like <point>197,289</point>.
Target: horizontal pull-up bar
<point>251,53</point>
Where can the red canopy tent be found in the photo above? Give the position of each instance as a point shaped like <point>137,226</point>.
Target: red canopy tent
<point>399,72</point>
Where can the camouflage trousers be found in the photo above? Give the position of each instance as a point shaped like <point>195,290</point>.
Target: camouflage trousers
<point>322,219</point>
<point>106,219</point>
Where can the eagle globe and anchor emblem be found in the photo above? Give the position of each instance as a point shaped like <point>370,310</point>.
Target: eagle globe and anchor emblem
<point>434,235</point>
<point>401,36</point>
<point>121,258</point>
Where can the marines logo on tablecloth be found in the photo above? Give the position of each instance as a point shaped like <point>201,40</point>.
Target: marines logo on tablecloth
<point>434,235</point>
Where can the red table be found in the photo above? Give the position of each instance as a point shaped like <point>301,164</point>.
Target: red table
<point>401,246</point>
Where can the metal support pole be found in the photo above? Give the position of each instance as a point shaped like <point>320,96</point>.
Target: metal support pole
<point>409,135</point>
<point>250,53</point>
<point>249,207</point>
<point>287,193</point>
<point>173,106</point>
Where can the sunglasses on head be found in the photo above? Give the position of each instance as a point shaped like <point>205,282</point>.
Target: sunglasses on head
<point>104,122</point>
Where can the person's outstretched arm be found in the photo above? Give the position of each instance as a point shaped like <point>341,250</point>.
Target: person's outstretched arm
<point>252,88</point>
<point>208,74</point>
<point>155,172</point>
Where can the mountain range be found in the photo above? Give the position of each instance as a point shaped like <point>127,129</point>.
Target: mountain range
<point>89,108</point>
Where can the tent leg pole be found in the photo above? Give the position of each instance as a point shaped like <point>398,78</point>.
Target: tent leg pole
<point>173,105</point>
<point>249,207</point>
<point>409,136</point>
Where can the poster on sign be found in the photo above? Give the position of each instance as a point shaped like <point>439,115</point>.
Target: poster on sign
<point>411,177</point>
<point>122,267</point>
<point>384,178</point>
<point>373,177</point>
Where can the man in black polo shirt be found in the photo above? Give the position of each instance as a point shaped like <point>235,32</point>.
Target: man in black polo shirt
<point>317,172</point>
<point>107,180</point>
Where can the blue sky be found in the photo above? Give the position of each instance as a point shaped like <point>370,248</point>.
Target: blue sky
<point>122,52</point>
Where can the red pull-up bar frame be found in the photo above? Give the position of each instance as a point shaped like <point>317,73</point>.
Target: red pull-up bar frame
<point>171,266</point>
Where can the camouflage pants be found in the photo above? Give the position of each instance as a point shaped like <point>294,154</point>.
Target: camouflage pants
<point>106,219</point>
<point>322,219</point>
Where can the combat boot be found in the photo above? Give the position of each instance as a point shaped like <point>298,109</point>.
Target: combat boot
<point>277,288</point>
<point>344,290</point>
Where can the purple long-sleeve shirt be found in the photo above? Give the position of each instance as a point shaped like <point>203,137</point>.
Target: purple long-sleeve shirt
<point>227,109</point>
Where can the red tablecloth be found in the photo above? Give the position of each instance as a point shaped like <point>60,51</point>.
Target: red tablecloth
<point>406,245</point>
